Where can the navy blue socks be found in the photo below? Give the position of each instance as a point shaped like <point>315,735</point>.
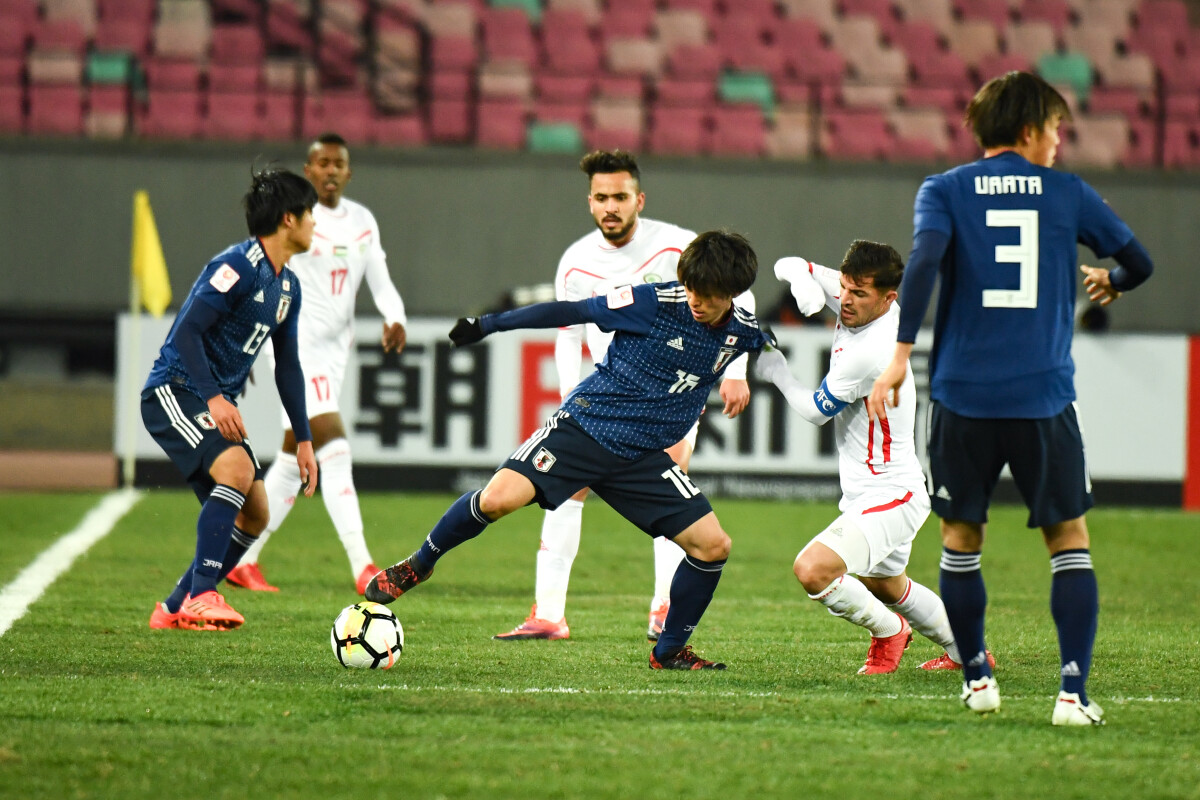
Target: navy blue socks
<point>965,597</point>
<point>461,522</point>
<point>691,592</point>
<point>1075,605</point>
<point>214,528</point>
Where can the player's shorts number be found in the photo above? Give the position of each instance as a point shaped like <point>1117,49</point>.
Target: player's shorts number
<point>682,482</point>
<point>1023,253</point>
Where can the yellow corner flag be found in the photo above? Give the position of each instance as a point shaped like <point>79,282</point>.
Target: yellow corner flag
<point>152,286</point>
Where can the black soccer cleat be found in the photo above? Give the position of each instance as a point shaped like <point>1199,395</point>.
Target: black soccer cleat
<point>394,581</point>
<point>684,659</point>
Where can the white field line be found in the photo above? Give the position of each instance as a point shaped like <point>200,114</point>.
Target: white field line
<point>28,586</point>
<point>698,692</point>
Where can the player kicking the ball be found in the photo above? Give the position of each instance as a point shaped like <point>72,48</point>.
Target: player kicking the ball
<point>672,343</point>
<point>884,501</point>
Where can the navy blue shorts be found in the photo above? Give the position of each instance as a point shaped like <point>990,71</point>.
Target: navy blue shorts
<point>180,423</point>
<point>652,491</point>
<point>1045,457</point>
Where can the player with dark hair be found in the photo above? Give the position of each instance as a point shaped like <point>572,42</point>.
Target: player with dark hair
<point>884,502</point>
<point>624,248</point>
<point>346,249</point>
<point>1003,232</point>
<point>671,345</point>
<point>244,295</point>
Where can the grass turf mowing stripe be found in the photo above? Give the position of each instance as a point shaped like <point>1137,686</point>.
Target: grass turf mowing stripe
<point>31,582</point>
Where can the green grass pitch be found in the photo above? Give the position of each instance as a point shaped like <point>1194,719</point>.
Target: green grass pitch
<point>94,704</point>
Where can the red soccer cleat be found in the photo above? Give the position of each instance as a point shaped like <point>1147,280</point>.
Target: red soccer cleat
<point>209,609</point>
<point>883,656</point>
<point>162,619</point>
<point>534,627</point>
<point>945,662</point>
<point>249,576</point>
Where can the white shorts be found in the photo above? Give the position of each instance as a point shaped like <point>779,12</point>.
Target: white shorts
<point>874,535</point>
<point>324,370</point>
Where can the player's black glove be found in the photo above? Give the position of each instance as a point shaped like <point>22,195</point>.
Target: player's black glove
<point>466,331</point>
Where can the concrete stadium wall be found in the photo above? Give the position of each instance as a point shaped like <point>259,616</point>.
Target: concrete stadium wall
<point>462,227</point>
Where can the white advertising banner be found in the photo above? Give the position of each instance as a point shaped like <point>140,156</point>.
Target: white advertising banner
<point>437,408</point>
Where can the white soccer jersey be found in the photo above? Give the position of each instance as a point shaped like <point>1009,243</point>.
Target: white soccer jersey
<point>592,266</point>
<point>874,457</point>
<point>345,249</point>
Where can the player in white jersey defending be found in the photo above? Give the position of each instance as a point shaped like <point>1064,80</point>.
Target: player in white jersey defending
<point>346,248</point>
<point>884,502</point>
<point>625,248</point>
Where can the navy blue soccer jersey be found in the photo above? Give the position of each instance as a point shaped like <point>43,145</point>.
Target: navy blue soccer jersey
<point>655,378</point>
<point>253,302</point>
<point>1005,315</point>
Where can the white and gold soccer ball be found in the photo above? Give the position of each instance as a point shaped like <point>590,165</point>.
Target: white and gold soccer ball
<point>367,635</point>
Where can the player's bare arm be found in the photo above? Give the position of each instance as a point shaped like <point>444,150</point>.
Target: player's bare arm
<point>394,338</point>
<point>307,461</point>
<point>886,389</point>
<point>227,418</point>
<point>1099,287</point>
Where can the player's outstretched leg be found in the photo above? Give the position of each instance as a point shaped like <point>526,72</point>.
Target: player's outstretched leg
<point>667,556</point>
<point>462,521</point>
<point>556,553</point>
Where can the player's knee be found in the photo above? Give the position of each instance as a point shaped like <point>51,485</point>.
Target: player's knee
<point>496,503</point>
<point>716,547</point>
<point>813,574</point>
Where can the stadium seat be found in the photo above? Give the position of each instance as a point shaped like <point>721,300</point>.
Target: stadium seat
<point>633,18</point>
<point>508,36</point>
<point>279,115</point>
<point>130,35</point>
<point>680,26</point>
<point>449,85</point>
<point>591,9</point>
<point>511,81</point>
<point>571,112</point>
<point>996,12</point>
<point>233,116</point>
<point>183,29</point>
<point>287,27</point>
<point>1181,145</point>
<point>684,92</point>
<point>554,137</point>
<point>12,112</point>
<point>628,86</point>
<point>861,135</point>
<point>616,123</point>
<point>882,11</point>
<point>171,73</point>
<point>738,130</point>
<point>452,53</point>
<point>698,62</point>
<point>63,35</point>
<point>823,12</point>
<point>236,44</point>
<point>1033,39</point>
<point>642,57</point>
<point>532,9</point>
<point>12,67</point>
<point>81,11</point>
<point>1056,13</point>
<point>744,46</point>
<point>456,19</point>
<point>1070,69</point>
<point>54,67</point>
<point>500,124</point>
<point>1097,141</point>
<point>747,87</point>
<point>1182,106</point>
<point>449,121</point>
<point>107,114</point>
<point>921,134</point>
<point>1142,144</point>
<point>170,114</point>
<point>999,63</point>
<point>975,40</point>
<point>939,14</point>
<point>1163,13</point>
<point>1119,100</point>
<point>398,130</point>
<point>1133,71</point>
<point>791,134</point>
<point>223,77</point>
<point>554,87</point>
<point>678,131</point>
<point>1096,41</point>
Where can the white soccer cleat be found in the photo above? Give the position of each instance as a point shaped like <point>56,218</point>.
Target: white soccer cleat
<point>981,696</point>
<point>1069,710</point>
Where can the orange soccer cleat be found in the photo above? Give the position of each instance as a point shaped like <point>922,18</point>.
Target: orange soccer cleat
<point>209,609</point>
<point>249,576</point>
<point>534,627</point>
<point>883,655</point>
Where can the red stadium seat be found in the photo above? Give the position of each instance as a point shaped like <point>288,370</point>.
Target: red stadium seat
<point>233,116</point>
<point>500,124</point>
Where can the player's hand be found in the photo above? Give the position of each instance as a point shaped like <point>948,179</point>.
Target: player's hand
<point>394,337</point>
<point>307,462</point>
<point>227,418</point>
<point>886,390</point>
<point>770,364</point>
<point>736,394</point>
<point>1096,282</point>
<point>466,331</point>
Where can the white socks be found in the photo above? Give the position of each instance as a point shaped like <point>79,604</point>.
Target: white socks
<point>282,483</point>
<point>341,501</point>
<point>667,556</point>
<point>847,598</point>
<point>560,544</point>
<point>925,611</point>
<point>336,484</point>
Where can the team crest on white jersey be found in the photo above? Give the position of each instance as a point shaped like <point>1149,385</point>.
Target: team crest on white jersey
<point>205,420</point>
<point>651,277</point>
<point>723,358</point>
<point>544,460</point>
<point>224,278</point>
<point>285,302</point>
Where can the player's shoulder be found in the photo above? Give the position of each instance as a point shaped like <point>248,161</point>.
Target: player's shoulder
<point>744,317</point>
<point>669,292</point>
<point>666,233</point>
<point>244,256</point>
<point>357,210</point>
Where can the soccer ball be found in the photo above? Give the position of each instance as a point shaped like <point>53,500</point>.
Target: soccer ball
<point>367,635</point>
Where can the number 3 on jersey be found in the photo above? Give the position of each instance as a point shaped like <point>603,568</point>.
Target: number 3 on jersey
<point>1023,253</point>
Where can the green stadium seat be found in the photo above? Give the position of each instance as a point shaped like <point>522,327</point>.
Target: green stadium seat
<point>747,87</point>
<point>109,67</point>
<point>1072,69</point>
<point>532,8</point>
<point>554,137</point>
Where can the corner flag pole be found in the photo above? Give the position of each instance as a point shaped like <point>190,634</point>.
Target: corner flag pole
<point>149,286</point>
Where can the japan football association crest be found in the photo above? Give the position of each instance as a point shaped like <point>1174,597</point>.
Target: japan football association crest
<point>285,302</point>
<point>723,358</point>
<point>205,420</point>
<point>544,460</point>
